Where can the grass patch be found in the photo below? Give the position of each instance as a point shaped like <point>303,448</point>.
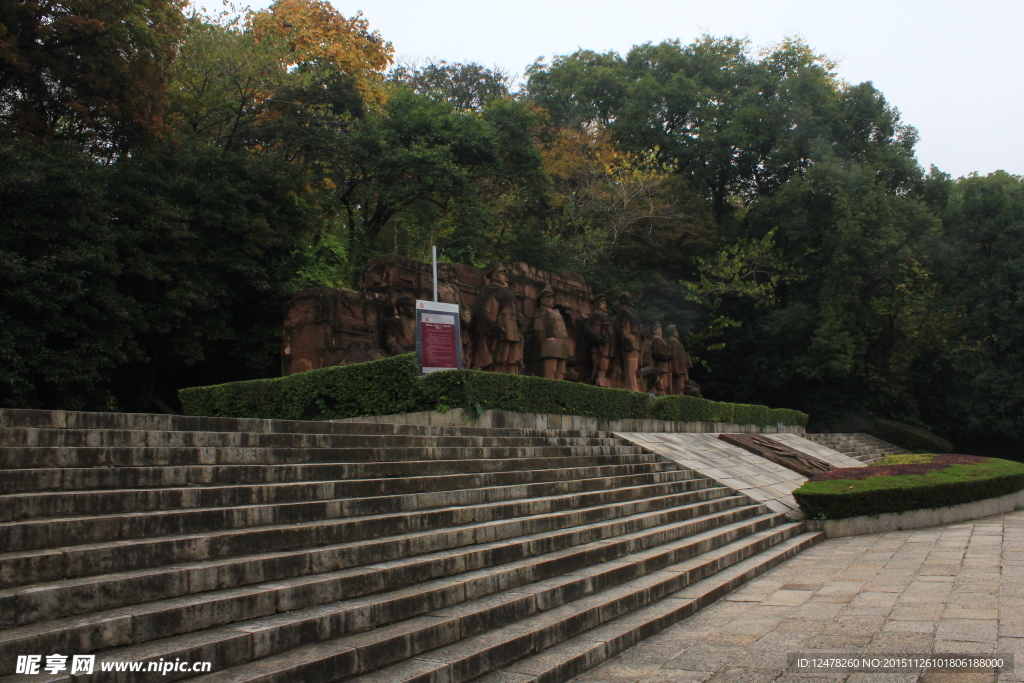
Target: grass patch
<point>919,482</point>
<point>903,459</point>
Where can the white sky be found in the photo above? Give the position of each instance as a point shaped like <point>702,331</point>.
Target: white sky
<point>953,68</point>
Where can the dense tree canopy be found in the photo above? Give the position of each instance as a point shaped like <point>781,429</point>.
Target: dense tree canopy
<point>208,167</point>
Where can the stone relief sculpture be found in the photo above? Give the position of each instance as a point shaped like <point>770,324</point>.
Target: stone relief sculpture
<point>550,336</point>
<point>630,340</point>
<point>448,292</point>
<point>571,333</point>
<point>497,339</point>
<point>400,330</point>
<point>600,334</point>
<point>661,354</point>
<point>680,361</point>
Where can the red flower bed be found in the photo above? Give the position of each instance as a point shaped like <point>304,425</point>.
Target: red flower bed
<point>937,463</point>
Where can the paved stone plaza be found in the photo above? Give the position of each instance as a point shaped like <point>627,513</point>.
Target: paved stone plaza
<point>952,589</point>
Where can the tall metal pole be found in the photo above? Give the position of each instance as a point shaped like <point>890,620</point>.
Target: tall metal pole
<point>434,248</point>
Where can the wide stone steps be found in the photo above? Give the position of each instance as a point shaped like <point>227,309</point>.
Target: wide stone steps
<point>79,438</point>
<point>91,478</point>
<point>279,615</point>
<point>448,527</point>
<point>377,495</point>
<point>863,447</point>
<point>294,551</point>
<point>350,518</point>
<point>464,642</point>
<point>361,565</point>
<point>576,655</point>
<point>34,457</point>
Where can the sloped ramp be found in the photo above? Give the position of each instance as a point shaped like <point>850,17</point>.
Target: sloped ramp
<point>755,477</point>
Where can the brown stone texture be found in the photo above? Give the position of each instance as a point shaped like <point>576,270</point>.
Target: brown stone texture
<point>325,327</point>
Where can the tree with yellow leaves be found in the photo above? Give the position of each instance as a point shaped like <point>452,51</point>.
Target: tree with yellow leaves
<point>310,35</point>
<point>270,78</point>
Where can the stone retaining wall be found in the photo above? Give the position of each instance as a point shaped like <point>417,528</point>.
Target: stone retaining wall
<point>504,419</point>
<point>917,519</point>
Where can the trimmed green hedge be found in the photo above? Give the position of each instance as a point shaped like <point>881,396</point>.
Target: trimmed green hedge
<point>953,485</point>
<point>693,409</point>
<point>475,390</point>
<point>392,385</point>
<point>380,387</point>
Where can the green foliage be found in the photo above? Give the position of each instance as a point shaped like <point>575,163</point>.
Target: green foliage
<point>64,324</point>
<point>209,242</point>
<point>393,386</point>
<point>491,390</point>
<point>788,416</point>
<point>89,71</point>
<point>954,485</point>
<point>909,437</point>
<point>467,87</point>
<point>693,409</point>
<point>976,375</point>
<point>373,388</point>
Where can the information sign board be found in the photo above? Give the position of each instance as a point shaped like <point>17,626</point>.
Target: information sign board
<point>438,336</point>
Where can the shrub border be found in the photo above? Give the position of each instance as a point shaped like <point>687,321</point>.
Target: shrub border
<point>829,503</point>
<point>392,385</point>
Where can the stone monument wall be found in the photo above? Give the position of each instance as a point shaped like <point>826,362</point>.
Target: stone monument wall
<point>325,326</point>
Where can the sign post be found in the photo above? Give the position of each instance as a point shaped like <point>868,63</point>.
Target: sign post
<point>438,336</point>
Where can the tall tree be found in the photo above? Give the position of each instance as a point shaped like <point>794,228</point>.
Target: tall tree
<point>90,71</point>
<point>65,326</point>
<point>976,380</point>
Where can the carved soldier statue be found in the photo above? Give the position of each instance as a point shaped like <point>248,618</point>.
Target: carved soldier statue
<point>400,330</point>
<point>600,333</point>
<point>448,292</point>
<point>680,361</point>
<point>552,339</point>
<point>630,338</point>
<point>497,340</point>
<point>661,354</point>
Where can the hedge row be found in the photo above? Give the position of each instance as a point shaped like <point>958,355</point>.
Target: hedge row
<point>692,409</point>
<point>478,390</point>
<point>875,495</point>
<point>392,386</point>
<point>379,387</point>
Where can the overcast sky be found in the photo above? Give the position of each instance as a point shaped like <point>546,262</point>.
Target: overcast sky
<point>952,68</point>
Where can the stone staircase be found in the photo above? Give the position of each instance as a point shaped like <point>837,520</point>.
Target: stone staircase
<point>863,447</point>
<point>319,551</point>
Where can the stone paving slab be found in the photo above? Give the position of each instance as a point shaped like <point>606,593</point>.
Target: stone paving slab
<point>943,590</point>
<point>737,468</point>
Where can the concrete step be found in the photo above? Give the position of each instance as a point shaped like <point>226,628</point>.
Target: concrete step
<point>577,655</point>
<point>281,615</point>
<point>27,457</point>
<point>452,527</point>
<point>863,447</point>
<point>295,551</point>
<point>357,517</point>
<point>352,563</point>
<point>471,472</point>
<point>11,437</point>
<point>58,419</point>
<point>479,636</point>
<point>387,494</point>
